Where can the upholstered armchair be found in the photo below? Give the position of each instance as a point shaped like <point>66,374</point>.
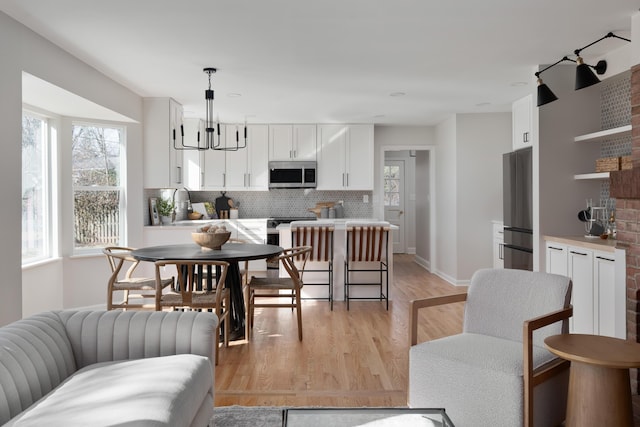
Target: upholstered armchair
<point>497,372</point>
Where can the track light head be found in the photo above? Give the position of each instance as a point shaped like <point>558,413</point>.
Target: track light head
<point>545,95</point>
<point>585,76</point>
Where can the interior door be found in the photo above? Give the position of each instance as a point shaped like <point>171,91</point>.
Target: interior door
<point>394,201</point>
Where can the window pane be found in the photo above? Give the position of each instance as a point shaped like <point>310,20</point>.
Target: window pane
<point>97,218</point>
<point>35,211</point>
<point>98,188</point>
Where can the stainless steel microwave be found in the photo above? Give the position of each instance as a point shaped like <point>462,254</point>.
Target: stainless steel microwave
<point>292,174</point>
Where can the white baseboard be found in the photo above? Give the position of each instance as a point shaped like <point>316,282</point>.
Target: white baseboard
<point>451,280</point>
<point>424,263</point>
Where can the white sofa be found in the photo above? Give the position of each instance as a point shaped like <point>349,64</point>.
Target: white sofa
<point>108,368</point>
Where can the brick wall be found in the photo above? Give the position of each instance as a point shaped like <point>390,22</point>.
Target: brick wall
<point>625,187</point>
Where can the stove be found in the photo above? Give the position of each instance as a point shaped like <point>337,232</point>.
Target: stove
<point>273,235</point>
<point>273,222</point>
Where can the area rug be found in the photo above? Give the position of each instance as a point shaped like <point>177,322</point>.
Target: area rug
<point>247,416</point>
<point>272,416</point>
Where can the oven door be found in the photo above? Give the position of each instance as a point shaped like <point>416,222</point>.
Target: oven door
<point>273,238</point>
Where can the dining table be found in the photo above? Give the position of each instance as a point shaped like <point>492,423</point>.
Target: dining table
<point>231,252</point>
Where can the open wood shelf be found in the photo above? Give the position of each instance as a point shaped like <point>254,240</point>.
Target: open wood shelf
<point>599,136</point>
<point>596,175</point>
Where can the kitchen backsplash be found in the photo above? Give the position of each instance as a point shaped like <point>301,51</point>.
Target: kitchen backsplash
<point>281,202</point>
<point>615,111</point>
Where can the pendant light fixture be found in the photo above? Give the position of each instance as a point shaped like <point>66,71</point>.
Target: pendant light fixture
<point>210,130</point>
<point>584,74</point>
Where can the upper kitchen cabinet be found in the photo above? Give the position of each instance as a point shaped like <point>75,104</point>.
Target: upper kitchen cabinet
<point>345,157</point>
<point>521,116</point>
<point>247,168</point>
<point>193,159</point>
<point>162,163</point>
<point>292,142</point>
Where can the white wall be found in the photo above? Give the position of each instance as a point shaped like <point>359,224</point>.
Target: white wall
<point>469,189</point>
<point>23,50</point>
<point>446,205</point>
<point>422,204</point>
<point>481,141</point>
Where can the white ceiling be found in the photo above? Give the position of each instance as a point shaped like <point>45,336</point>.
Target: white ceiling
<point>297,61</point>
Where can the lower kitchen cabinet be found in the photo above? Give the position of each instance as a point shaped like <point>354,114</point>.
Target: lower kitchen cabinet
<point>598,293</point>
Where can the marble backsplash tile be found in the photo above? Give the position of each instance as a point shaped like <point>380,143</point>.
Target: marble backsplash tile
<point>280,202</point>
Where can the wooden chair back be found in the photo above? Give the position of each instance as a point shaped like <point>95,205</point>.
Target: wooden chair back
<point>188,280</point>
<point>294,260</point>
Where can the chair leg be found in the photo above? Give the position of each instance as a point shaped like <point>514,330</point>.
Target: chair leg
<point>227,309</point>
<point>217,342</point>
<point>299,314</point>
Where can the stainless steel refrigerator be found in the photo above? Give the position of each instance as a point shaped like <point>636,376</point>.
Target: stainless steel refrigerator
<point>517,181</point>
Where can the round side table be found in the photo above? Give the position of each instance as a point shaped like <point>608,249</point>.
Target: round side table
<point>599,389</point>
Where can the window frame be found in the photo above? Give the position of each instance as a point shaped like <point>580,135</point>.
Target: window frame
<point>49,166</point>
<point>121,187</point>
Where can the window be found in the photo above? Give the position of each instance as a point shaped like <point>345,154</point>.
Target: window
<point>97,155</point>
<point>36,201</point>
<point>391,185</point>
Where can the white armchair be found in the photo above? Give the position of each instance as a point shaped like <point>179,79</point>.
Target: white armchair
<point>497,372</point>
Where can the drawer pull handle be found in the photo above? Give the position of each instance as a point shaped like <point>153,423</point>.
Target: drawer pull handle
<point>605,259</point>
<point>578,253</point>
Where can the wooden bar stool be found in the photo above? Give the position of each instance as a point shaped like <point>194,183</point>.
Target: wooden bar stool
<point>367,250</point>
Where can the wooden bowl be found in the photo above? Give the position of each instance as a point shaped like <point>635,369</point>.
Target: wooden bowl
<point>195,215</point>
<point>211,240</point>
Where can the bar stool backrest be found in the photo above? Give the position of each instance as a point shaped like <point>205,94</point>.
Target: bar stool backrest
<point>367,242</point>
<point>315,234</point>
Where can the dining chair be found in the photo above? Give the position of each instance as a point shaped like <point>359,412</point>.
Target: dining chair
<point>497,371</point>
<point>191,294</point>
<point>319,236</point>
<point>293,260</point>
<point>123,280</point>
<point>367,251</point>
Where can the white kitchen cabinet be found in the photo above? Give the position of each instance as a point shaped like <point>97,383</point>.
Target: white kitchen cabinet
<point>292,142</point>
<point>498,244</point>
<point>193,160</point>
<point>214,165</point>
<point>521,122</point>
<point>557,258</point>
<point>345,157</point>
<point>580,270</point>
<point>162,163</point>
<point>598,293</point>
<point>248,168</point>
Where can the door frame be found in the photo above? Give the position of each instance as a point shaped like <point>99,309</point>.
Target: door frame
<point>432,262</point>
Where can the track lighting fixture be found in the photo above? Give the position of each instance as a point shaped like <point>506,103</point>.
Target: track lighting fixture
<point>584,74</point>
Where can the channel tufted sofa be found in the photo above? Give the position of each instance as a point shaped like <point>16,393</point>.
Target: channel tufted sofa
<point>103,368</point>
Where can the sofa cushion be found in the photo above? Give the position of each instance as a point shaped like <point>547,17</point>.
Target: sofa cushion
<point>523,296</point>
<point>35,356</point>
<point>158,391</point>
<point>471,375</point>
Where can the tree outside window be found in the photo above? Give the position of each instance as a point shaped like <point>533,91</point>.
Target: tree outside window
<point>35,189</point>
<point>97,159</point>
<point>391,185</point>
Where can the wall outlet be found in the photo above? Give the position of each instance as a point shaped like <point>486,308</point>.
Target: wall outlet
<point>365,198</point>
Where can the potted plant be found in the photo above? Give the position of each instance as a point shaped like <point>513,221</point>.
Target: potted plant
<point>166,210</point>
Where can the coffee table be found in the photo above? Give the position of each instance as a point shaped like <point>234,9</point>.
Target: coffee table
<point>599,389</point>
<point>351,417</point>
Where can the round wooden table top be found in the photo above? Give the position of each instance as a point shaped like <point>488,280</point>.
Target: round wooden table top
<point>231,252</point>
<point>595,350</point>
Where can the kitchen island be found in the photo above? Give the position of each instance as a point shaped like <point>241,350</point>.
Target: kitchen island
<point>339,250</point>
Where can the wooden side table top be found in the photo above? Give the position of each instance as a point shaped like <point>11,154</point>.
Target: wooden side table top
<point>595,350</point>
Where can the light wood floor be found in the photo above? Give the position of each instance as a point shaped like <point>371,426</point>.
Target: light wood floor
<point>347,358</point>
